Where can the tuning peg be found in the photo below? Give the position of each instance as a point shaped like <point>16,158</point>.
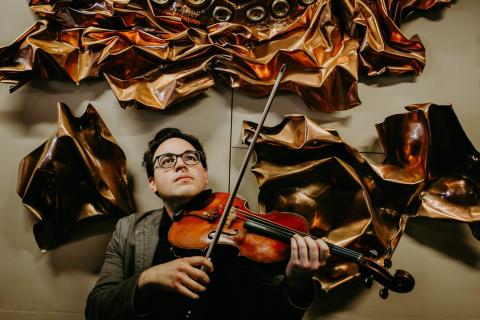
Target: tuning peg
<point>384,293</point>
<point>387,263</point>
<point>368,282</point>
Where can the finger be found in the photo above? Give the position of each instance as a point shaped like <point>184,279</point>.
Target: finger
<point>313,252</point>
<point>293,250</point>
<point>199,261</point>
<point>186,292</point>
<point>302,250</point>
<point>197,274</point>
<point>324,251</point>
<point>192,284</point>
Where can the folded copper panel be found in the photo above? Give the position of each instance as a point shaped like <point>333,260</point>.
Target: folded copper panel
<point>154,53</point>
<point>430,169</point>
<point>452,190</point>
<point>78,173</point>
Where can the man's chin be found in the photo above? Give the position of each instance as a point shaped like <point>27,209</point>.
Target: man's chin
<point>187,191</point>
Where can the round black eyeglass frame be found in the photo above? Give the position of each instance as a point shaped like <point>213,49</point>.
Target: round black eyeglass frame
<point>189,157</point>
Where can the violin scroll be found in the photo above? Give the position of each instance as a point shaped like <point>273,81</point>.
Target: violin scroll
<point>400,282</point>
<point>403,281</point>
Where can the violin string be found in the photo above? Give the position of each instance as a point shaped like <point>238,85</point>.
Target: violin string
<point>290,232</point>
<point>273,225</point>
<point>334,249</point>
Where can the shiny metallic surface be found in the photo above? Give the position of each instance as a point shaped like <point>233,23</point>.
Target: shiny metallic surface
<point>197,3</point>
<point>154,56</point>
<point>307,2</point>
<point>280,8</point>
<point>162,2</point>
<point>430,169</point>
<point>77,174</point>
<point>222,14</point>
<point>256,13</point>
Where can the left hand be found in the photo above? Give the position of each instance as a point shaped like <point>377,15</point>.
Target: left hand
<point>306,258</point>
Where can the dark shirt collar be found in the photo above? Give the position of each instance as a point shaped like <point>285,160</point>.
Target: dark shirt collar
<point>165,220</point>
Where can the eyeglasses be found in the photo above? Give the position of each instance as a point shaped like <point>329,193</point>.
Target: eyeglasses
<point>168,160</point>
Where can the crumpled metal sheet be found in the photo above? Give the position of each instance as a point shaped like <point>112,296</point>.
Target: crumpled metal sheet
<point>430,169</point>
<point>383,46</point>
<point>78,173</point>
<point>428,147</point>
<point>453,166</point>
<point>154,53</point>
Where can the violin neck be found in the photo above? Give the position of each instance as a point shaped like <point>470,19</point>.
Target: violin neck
<point>273,230</point>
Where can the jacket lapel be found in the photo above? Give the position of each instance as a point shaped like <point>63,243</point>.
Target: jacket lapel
<point>146,237</point>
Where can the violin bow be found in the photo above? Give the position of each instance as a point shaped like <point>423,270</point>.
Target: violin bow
<point>246,160</point>
<point>233,194</point>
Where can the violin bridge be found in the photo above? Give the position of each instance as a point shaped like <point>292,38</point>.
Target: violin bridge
<point>231,216</point>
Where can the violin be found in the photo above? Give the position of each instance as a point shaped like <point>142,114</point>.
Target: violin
<point>265,238</point>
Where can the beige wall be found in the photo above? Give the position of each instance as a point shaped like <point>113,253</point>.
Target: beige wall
<point>443,257</point>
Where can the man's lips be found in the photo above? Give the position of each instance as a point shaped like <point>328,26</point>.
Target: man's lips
<point>183,178</point>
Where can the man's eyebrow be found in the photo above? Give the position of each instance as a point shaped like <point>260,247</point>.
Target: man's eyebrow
<point>176,154</point>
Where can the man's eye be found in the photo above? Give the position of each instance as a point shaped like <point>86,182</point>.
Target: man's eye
<point>190,157</point>
<point>167,161</point>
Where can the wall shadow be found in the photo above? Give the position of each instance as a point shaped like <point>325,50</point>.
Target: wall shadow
<point>39,100</point>
<point>86,249</point>
<point>339,299</point>
<point>452,239</point>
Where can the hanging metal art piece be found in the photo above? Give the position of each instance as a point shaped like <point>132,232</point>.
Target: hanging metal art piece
<point>430,169</point>
<point>154,53</point>
<point>78,173</point>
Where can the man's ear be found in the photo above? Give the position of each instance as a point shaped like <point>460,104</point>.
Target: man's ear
<point>205,172</point>
<point>152,185</point>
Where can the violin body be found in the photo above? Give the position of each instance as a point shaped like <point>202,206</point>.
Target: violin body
<point>195,230</point>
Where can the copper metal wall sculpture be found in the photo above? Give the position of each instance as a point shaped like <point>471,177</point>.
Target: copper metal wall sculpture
<point>157,52</point>
<point>430,169</point>
<point>80,172</point>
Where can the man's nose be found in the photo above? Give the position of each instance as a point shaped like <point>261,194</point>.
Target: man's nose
<point>180,164</point>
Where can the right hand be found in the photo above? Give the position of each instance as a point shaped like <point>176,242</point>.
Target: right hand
<point>181,275</point>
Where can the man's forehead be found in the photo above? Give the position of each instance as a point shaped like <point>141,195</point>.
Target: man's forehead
<point>174,145</point>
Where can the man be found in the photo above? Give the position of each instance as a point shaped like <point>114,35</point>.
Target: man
<point>142,277</point>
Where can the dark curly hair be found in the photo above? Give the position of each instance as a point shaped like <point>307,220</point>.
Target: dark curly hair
<point>163,135</point>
